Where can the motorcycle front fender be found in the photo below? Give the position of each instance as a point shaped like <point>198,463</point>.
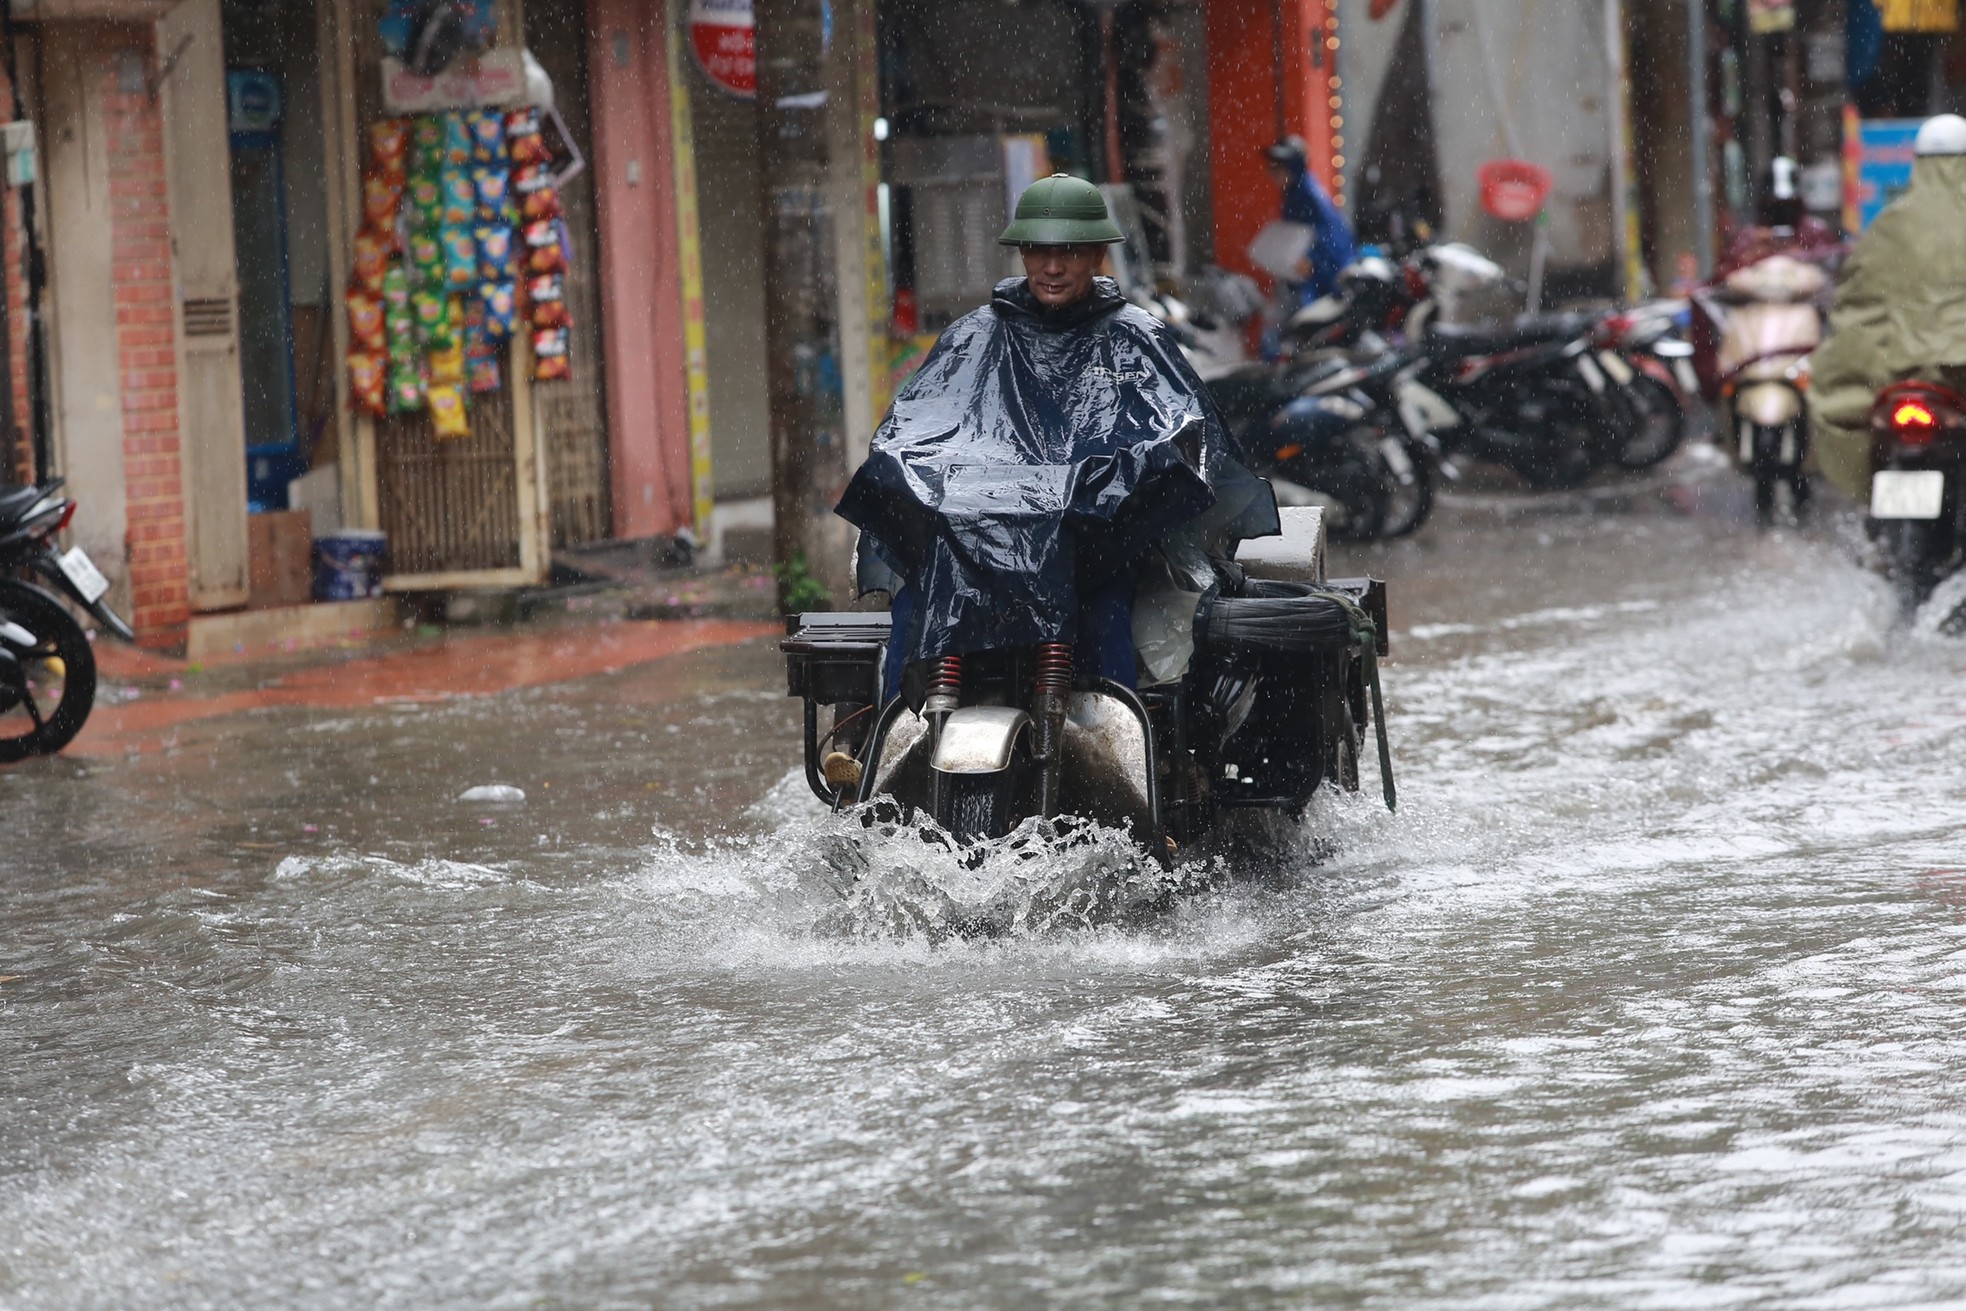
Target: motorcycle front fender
<point>1768,404</point>
<point>979,739</point>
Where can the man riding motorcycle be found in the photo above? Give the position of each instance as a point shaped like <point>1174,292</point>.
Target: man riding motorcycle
<point>1899,312</point>
<point>1069,451</point>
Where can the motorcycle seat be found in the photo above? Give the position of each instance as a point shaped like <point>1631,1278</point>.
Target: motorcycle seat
<point>1457,341</point>
<point>1557,326</point>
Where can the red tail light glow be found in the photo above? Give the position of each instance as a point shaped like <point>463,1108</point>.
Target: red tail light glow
<point>67,516</point>
<point>1912,414</point>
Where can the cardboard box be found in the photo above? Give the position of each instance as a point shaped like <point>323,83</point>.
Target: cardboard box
<point>280,555</point>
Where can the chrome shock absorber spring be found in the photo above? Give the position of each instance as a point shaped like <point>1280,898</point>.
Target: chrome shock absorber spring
<point>945,692</point>
<point>1050,692</point>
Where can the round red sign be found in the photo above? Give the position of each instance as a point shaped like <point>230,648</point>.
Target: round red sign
<point>722,34</point>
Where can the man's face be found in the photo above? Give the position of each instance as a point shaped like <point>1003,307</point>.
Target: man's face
<point>1061,275</point>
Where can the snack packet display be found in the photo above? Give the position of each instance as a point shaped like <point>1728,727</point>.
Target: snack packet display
<point>531,178</point>
<point>445,367</point>
<point>365,322</point>
<point>389,147</point>
<point>548,300</point>
<point>426,259</point>
<point>370,263</point>
<point>501,309</point>
<point>546,259</point>
<point>523,142</point>
<point>460,258</point>
<point>487,136</point>
<point>549,349</point>
<point>494,252</point>
<point>399,327</point>
<point>382,196</point>
<point>405,388</point>
<point>395,287</point>
<point>541,204</point>
<point>494,188</point>
<point>426,144</point>
<point>447,413</point>
<point>435,325</point>
<point>457,140</point>
<point>460,203</point>
<point>481,368</point>
<point>368,382</point>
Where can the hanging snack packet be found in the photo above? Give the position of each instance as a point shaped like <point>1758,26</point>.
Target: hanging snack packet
<point>549,349</point>
<point>370,263</point>
<point>481,370</point>
<point>457,141</point>
<point>446,367</point>
<point>426,144</point>
<point>405,388</point>
<point>395,287</point>
<point>494,252</point>
<point>389,147</point>
<point>460,258</point>
<point>541,204</point>
<point>399,327</point>
<point>426,259</point>
<point>530,178</point>
<point>494,187</point>
<point>434,324</point>
<point>546,259</point>
<point>368,383</point>
<point>500,300</point>
<point>487,136</point>
<point>382,196</point>
<point>547,296</point>
<point>365,325</point>
<point>460,197</point>
<point>447,412</point>
<point>523,142</point>
<point>426,197</point>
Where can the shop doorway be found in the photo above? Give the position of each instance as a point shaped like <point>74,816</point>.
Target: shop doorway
<point>259,236</point>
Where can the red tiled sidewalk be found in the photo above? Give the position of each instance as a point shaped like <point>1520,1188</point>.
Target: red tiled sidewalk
<point>460,666</point>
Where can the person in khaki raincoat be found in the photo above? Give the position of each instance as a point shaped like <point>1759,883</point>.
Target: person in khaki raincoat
<point>1900,307</point>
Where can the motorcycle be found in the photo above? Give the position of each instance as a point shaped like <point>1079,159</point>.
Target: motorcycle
<point>47,665</point>
<point>1768,324</point>
<point>1279,684</point>
<point>1918,490</point>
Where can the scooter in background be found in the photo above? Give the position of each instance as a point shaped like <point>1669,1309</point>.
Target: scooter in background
<point>1768,324</point>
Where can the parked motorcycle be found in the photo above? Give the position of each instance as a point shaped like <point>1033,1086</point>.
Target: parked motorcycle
<point>1272,702</point>
<point>47,666</point>
<point>1918,487</point>
<point>1767,323</point>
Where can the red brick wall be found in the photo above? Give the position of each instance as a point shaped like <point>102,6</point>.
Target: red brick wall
<point>18,464</point>
<point>141,276</point>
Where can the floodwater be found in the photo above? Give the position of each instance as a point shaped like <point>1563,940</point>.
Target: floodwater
<point>1649,996</point>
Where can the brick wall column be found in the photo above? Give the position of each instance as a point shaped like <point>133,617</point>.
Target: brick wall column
<point>146,348</point>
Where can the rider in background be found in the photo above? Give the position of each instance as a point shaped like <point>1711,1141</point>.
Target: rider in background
<point>1900,306</point>
<point>1305,202</point>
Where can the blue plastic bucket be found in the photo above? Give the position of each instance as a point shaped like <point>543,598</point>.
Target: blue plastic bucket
<point>348,565</point>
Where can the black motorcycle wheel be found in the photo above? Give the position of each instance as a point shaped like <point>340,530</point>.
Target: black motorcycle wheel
<point>1410,503</point>
<point>43,705</point>
<point>1568,454</point>
<point>1657,424</point>
<point>1356,479</point>
<point>976,807</point>
<point>1912,562</point>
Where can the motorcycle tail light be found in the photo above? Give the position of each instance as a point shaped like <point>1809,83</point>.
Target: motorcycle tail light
<point>67,516</point>
<point>1911,415</point>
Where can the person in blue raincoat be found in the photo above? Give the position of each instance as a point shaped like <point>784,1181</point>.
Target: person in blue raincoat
<point>1305,202</point>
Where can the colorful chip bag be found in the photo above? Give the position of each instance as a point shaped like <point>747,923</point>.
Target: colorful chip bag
<point>405,388</point>
<point>549,349</point>
<point>445,367</point>
<point>399,327</point>
<point>547,298</point>
<point>365,323</point>
<point>541,204</point>
<point>371,261</point>
<point>531,178</point>
<point>494,188</point>
<point>435,325</point>
<point>460,258</point>
<point>501,309</point>
<point>487,136</point>
<point>494,251</point>
<point>481,369</point>
<point>368,382</point>
<point>382,196</point>
<point>426,259</point>
<point>389,147</point>
<point>395,287</point>
<point>457,141</point>
<point>546,259</point>
<point>426,144</point>
<point>447,412</point>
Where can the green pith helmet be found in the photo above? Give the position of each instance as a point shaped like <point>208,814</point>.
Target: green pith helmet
<point>1060,210</point>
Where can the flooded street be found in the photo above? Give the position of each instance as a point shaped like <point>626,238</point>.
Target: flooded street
<point>1648,997</point>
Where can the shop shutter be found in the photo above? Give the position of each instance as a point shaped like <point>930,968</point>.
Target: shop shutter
<point>211,397</point>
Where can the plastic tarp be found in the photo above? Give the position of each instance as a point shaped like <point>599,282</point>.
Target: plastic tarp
<point>1038,457</point>
<point>1900,313</point>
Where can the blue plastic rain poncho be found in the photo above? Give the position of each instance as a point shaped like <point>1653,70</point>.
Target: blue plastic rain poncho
<point>1030,465</point>
<point>1304,201</point>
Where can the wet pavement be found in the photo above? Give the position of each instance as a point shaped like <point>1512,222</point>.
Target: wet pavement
<point>1648,997</point>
